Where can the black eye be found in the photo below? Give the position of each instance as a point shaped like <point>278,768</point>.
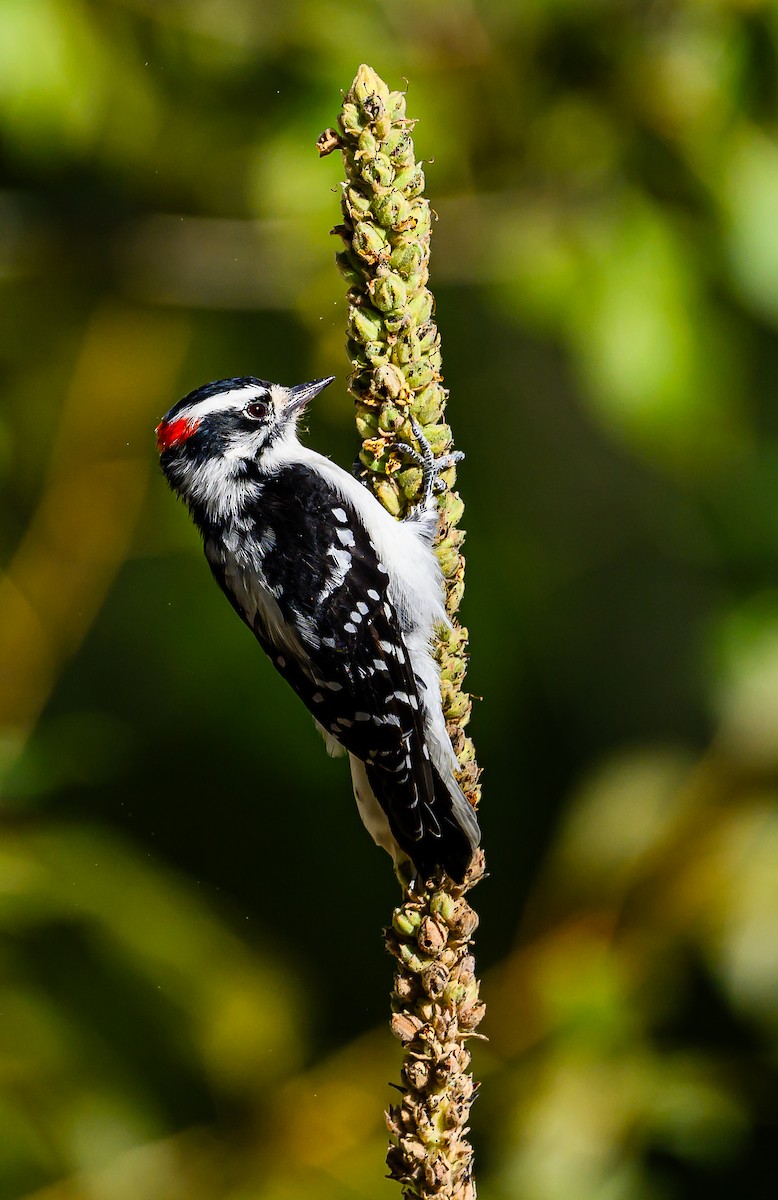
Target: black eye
<point>257,410</point>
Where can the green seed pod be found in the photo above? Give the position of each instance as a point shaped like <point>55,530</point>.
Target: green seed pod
<point>406,348</point>
<point>406,258</point>
<point>417,183</point>
<point>390,208</point>
<point>399,146</point>
<point>460,703</point>
<point>453,506</point>
<point>439,438</point>
<point>455,592</point>
<point>454,994</point>
<point>376,352</point>
<point>425,370</point>
<point>421,307</point>
<point>453,668</point>
<point>395,106</point>
<point>377,171</point>
<point>406,921</point>
<point>447,670</point>
<point>471,985</point>
<point>367,423</point>
<point>419,281</point>
<point>364,324</point>
<point>411,180</point>
<point>349,120</point>
<point>387,493</point>
<point>409,482</point>
<point>420,374</point>
<point>371,462</point>
<point>367,144</point>
<point>429,338</point>
<point>348,159</point>
<point>390,419</point>
<point>413,961</point>
<point>394,322</point>
<point>418,219</point>
<point>389,293</point>
<point>446,692</point>
<point>401,153</point>
<point>357,204</point>
<point>428,404</point>
<point>392,139</point>
<point>368,86</point>
<point>434,357</point>
<point>369,241</point>
<point>443,905</point>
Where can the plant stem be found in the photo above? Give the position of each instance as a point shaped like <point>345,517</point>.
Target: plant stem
<point>394,346</point>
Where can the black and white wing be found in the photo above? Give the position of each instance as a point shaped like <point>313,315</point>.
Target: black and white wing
<point>342,650</point>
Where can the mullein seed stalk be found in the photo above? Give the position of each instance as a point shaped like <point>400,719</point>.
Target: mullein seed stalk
<point>394,346</point>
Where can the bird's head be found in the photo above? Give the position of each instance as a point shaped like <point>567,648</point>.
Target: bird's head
<point>222,425</point>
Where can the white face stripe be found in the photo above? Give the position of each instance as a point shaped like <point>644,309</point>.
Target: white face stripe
<point>235,399</point>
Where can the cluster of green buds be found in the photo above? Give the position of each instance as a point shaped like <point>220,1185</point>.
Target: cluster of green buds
<point>394,347</point>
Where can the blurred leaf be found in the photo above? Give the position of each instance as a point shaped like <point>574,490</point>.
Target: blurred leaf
<point>623,814</point>
<point>52,75</point>
<point>648,344</point>
<point>740,884</point>
<point>751,199</point>
<point>747,653</point>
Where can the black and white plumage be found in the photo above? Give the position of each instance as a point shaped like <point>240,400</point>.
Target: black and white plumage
<point>341,596</point>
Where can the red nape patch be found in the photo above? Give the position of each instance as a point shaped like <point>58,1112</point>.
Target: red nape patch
<point>174,433</point>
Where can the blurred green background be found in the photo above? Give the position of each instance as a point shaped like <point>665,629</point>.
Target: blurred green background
<point>193,991</point>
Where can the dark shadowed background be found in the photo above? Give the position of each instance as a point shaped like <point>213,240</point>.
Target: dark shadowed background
<point>193,991</point>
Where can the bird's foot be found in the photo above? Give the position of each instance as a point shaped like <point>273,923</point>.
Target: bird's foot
<point>431,467</point>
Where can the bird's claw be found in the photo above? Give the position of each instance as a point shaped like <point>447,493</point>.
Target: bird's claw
<point>431,467</point>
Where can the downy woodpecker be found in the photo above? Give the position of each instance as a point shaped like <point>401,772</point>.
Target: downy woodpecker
<point>342,598</point>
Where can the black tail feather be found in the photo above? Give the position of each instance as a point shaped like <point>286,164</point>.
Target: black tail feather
<point>441,841</point>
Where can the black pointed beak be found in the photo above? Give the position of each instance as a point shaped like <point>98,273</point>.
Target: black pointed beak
<point>302,393</point>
